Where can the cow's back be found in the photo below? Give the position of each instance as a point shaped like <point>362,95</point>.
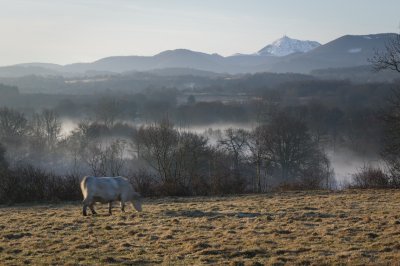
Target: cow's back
<point>103,188</point>
<point>124,184</point>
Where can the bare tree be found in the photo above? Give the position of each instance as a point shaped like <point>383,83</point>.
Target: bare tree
<point>157,146</point>
<point>391,139</point>
<point>52,127</point>
<point>87,147</point>
<point>94,157</point>
<point>180,158</point>
<point>235,143</point>
<point>105,159</point>
<point>45,128</point>
<point>12,123</point>
<point>192,159</point>
<point>115,157</point>
<point>36,128</point>
<point>390,57</point>
<point>292,152</point>
<point>257,154</point>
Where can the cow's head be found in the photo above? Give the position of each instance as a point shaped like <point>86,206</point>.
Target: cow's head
<point>137,202</point>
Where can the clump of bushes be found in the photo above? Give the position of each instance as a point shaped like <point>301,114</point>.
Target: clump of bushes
<point>29,184</point>
<point>371,177</point>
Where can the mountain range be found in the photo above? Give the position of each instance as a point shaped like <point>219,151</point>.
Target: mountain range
<point>283,55</point>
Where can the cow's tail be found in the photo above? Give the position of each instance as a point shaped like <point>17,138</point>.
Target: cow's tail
<point>84,186</point>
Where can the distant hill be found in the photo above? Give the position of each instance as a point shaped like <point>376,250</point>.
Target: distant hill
<point>42,65</point>
<point>346,51</point>
<point>286,46</point>
<point>180,58</point>
<point>21,70</point>
<point>284,55</point>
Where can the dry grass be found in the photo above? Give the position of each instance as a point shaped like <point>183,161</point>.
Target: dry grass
<point>304,228</point>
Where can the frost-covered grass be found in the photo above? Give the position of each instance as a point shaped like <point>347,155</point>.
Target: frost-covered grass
<point>317,228</point>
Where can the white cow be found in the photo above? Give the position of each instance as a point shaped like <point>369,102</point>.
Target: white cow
<point>107,190</point>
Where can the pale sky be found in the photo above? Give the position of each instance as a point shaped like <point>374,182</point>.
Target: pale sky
<point>69,31</point>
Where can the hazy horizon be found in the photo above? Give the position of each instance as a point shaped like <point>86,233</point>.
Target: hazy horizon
<point>84,31</point>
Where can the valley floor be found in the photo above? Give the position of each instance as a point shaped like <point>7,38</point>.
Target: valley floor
<point>306,228</point>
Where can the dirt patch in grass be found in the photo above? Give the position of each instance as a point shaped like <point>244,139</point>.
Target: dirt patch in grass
<point>300,228</point>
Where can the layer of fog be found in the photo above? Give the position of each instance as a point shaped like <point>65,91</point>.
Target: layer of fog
<point>345,162</point>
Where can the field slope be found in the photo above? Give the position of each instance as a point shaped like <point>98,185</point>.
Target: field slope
<point>305,228</point>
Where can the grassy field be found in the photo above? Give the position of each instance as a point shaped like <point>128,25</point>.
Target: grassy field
<point>305,228</point>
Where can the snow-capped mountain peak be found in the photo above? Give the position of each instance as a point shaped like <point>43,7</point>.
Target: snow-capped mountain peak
<point>285,46</point>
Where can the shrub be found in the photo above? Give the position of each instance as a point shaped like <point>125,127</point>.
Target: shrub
<point>144,182</point>
<point>27,183</point>
<point>370,177</point>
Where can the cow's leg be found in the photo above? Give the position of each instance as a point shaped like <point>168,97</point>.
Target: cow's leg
<point>122,206</point>
<point>86,203</point>
<point>109,208</point>
<point>91,207</point>
<point>84,210</point>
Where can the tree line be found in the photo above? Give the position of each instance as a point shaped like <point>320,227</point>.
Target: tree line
<point>160,158</point>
